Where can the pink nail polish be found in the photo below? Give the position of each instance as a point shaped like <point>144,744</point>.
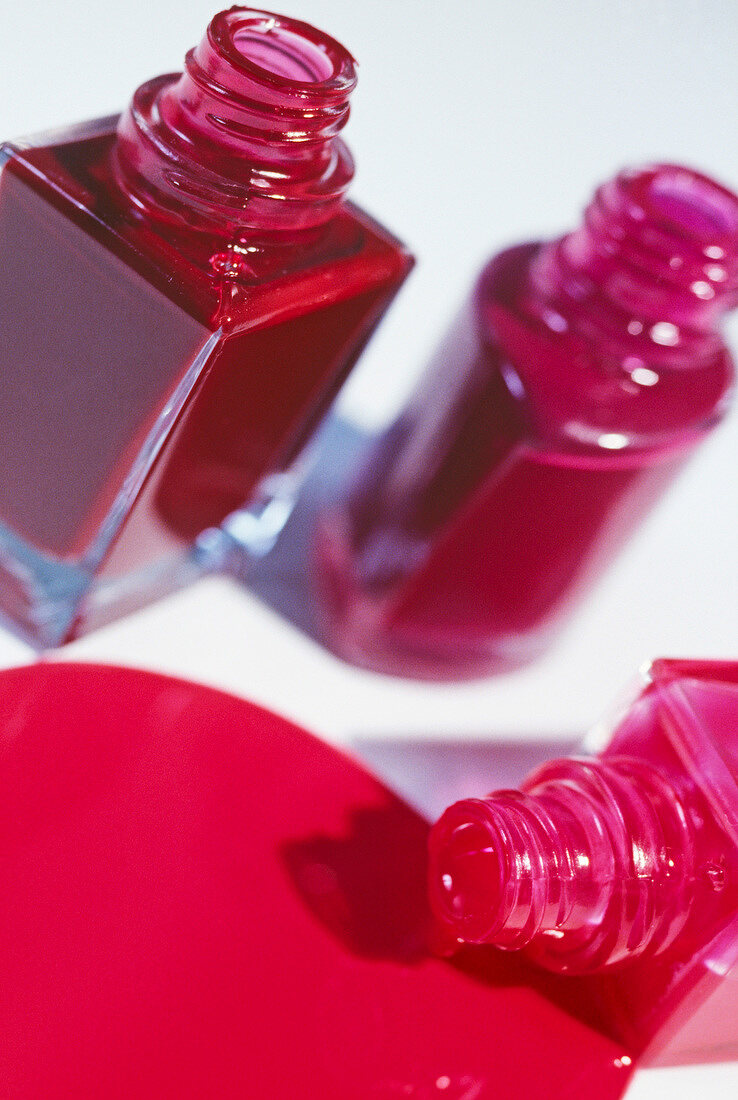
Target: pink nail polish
<point>622,866</point>
<point>572,389</point>
<point>184,289</point>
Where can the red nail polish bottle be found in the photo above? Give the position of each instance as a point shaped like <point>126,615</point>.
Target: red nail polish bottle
<point>620,868</point>
<point>184,290</point>
<point>576,383</point>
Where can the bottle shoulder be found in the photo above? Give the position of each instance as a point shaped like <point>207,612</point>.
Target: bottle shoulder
<point>220,283</point>
<point>684,722</point>
<point>578,388</point>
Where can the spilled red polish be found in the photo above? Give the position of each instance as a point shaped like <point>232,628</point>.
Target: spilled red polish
<point>623,866</point>
<point>201,899</point>
<point>571,391</point>
<point>184,290</point>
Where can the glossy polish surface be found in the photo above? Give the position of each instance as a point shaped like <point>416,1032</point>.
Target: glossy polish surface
<point>201,899</point>
<point>625,864</point>
<point>562,404</point>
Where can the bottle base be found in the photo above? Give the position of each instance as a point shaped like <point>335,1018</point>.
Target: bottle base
<point>39,594</point>
<point>355,627</point>
<point>48,602</point>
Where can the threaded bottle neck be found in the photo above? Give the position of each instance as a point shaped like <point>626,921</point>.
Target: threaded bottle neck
<point>655,262</point>
<point>244,138</point>
<point>591,863</point>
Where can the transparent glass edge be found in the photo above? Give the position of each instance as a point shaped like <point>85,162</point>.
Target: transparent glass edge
<point>599,735</point>
<point>147,455</point>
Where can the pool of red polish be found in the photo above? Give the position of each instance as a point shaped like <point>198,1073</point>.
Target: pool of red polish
<point>202,899</point>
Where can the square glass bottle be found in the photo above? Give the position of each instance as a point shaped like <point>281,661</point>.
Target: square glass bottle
<point>184,290</point>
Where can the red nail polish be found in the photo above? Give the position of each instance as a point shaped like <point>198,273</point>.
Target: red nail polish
<point>184,290</point>
<point>623,866</point>
<point>574,386</point>
<point>200,899</point>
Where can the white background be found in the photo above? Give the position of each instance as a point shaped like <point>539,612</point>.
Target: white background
<point>475,125</point>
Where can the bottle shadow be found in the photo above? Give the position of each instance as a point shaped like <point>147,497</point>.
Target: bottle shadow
<point>431,773</point>
<point>283,578</point>
<point>367,887</point>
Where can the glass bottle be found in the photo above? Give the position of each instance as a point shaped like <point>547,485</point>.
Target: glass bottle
<point>620,868</point>
<point>576,383</point>
<point>183,291</point>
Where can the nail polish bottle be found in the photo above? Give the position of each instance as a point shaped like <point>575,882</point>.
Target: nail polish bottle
<point>572,389</point>
<point>183,291</point>
<point>620,868</point>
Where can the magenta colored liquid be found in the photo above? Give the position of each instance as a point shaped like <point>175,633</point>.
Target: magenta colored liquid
<point>622,869</point>
<point>207,901</point>
<point>684,1004</point>
<point>525,460</point>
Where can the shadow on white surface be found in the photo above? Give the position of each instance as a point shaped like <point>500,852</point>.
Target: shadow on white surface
<point>432,774</point>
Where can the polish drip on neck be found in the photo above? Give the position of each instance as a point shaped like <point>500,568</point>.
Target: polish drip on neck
<point>245,139</point>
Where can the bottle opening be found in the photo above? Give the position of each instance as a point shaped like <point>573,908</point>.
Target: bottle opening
<point>465,875</point>
<point>247,136</point>
<point>283,53</point>
<point>694,205</point>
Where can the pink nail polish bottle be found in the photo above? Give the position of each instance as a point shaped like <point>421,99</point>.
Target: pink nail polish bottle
<point>621,869</point>
<point>183,291</point>
<point>572,389</point>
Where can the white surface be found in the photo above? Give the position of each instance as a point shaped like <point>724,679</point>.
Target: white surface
<point>475,124</point>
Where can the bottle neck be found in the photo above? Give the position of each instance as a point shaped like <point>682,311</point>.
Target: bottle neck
<point>590,864</point>
<point>652,269</point>
<point>244,140</point>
